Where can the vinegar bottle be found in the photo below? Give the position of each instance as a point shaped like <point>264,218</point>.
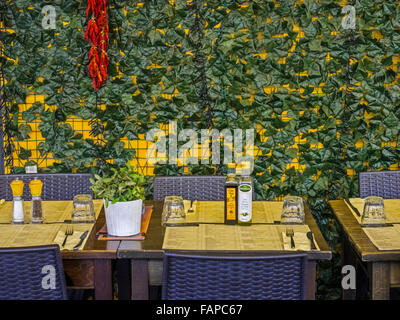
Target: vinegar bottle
<point>231,195</point>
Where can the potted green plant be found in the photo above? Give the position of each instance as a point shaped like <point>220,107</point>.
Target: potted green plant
<point>123,194</point>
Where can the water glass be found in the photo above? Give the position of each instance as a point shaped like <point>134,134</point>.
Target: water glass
<point>374,212</point>
<point>83,211</point>
<point>173,211</point>
<point>293,210</point>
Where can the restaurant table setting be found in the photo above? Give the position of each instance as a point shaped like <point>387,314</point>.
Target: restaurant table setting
<point>213,212</point>
<point>356,206</point>
<point>379,219</point>
<point>199,225</point>
<point>57,217</point>
<point>209,237</point>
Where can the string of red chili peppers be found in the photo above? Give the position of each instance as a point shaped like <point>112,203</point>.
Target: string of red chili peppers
<point>97,34</point>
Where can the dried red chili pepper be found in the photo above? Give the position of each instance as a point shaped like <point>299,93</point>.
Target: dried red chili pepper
<point>97,33</point>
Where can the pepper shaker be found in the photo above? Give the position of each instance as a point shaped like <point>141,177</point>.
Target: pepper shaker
<point>17,187</point>
<point>36,191</point>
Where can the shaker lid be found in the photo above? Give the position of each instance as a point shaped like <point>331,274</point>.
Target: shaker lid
<point>36,187</point>
<point>17,187</point>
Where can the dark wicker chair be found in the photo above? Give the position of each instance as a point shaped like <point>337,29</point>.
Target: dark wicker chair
<point>22,273</point>
<point>385,184</point>
<point>203,188</point>
<point>56,186</point>
<point>187,277</point>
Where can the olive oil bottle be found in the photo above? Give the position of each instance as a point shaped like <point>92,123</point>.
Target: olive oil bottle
<point>245,199</point>
<point>231,195</point>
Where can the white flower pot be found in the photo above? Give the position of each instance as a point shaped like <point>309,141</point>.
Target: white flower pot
<point>123,218</point>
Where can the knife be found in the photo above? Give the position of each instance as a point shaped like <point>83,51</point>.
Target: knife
<point>311,237</point>
<point>191,207</point>
<point>352,207</point>
<point>83,236</point>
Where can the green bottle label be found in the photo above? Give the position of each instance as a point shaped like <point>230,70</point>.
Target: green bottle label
<point>245,203</point>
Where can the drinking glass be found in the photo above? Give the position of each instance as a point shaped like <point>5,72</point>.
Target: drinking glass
<point>173,211</point>
<point>374,211</point>
<point>83,209</point>
<point>293,210</point>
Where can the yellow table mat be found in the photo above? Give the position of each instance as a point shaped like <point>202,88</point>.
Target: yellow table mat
<point>392,209</point>
<point>244,238</point>
<point>44,234</point>
<point>213,211</point>
<point>53,211</point>
<point>386,238</point>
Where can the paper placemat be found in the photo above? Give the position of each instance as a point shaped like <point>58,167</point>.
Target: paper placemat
<point>244,238</point>
<point>27,235</point>
<point>392,209</point>
<point>386,238</point>
<point>213,212</point>
<point>53,211</point>
<point>267,211</point>
<point>40,234</point>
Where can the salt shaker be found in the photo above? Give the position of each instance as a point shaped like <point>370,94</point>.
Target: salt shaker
<point>36,191</point>
<point>17,187</point>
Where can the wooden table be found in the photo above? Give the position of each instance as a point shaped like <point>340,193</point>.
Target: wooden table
<point>381,267</point>
<point>90,267</point>
<point>146,256</point>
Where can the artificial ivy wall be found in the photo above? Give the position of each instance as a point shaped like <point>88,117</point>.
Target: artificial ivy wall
<point>324,99</point>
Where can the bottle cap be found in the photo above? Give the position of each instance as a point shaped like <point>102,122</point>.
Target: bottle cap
<point>231,165</point>
<point>17,187</point>
<point>36,187</point>
<point>245,167</point>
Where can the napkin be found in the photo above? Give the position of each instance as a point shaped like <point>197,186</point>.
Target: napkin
<point>72,240</point>
<point>300,240</point>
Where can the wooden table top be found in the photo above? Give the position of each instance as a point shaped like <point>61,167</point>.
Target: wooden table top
<point>151,247</point>
<point>356,235</point>
<point>93,248</point>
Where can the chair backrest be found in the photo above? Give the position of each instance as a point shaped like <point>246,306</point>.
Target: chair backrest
<point>206,188</point>
<point>32,273</point>
<point>203,188</point>
<point>56,186</point>
<point>385,184</point>
<point>187,277</point>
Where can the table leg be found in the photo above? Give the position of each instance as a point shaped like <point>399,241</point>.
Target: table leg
<point>123,270</point>
<point>140,279</point>
<point>379,273</point>
<point>311,277</point>
<point>103,289</point>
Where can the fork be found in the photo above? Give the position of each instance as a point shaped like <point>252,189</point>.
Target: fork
<point>68,232</point>
<point>290,233</point>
